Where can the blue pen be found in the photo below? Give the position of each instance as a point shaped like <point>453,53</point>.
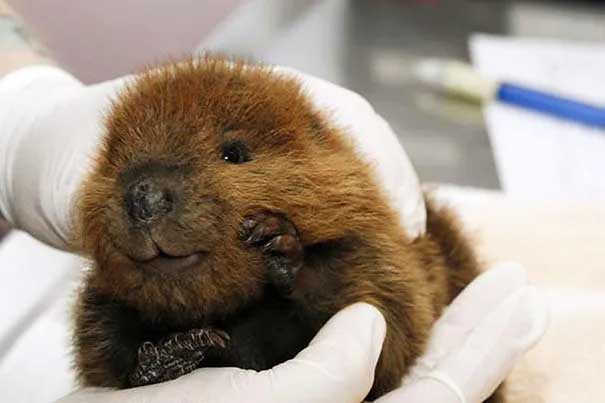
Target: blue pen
<point>460,79</point>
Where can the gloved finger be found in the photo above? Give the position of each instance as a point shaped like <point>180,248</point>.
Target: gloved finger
<point>337,366</point>
<point>207,385</point>
<point>143,394</point>
<point>476,301</point>
<point>494,346</point>
<point>423,390</point>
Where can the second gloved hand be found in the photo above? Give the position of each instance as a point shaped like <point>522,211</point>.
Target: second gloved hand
<point>477,341</point>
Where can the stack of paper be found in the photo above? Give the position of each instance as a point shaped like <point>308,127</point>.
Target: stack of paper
<point>538,156</point>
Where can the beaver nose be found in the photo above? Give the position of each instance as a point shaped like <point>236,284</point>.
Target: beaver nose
<point>148,200</point>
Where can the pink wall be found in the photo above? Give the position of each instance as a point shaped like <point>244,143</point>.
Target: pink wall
<point>101,39</point>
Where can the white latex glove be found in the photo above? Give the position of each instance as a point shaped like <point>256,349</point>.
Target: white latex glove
<point>51,126</point>
<point>477,341</point>
<point>473,346</point>
<point>337,366</point>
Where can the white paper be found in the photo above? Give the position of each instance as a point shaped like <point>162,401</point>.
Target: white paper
<point>539,156</point>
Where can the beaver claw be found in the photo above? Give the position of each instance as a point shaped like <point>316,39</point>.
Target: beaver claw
<point>279,240</point>
<point>177,355</point>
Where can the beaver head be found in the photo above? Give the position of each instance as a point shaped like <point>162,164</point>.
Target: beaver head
<point>190,150</point>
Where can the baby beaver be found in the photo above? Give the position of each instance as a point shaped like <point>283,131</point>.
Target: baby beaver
<point>228,220</point>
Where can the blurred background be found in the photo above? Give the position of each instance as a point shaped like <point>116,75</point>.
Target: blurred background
<point>366,45</point>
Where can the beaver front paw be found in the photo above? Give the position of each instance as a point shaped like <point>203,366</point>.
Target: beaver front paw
<point>174,356</point>
<point>279,240</point>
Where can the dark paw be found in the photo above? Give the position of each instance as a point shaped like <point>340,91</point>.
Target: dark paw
<point>279,240</point>
<point>174,356</point>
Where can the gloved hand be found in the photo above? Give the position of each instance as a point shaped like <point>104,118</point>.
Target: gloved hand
<point>51,127</point>
<point>50,130</point>
<point>337,366</point>
<point>477,341</point>
<point>473,346</point>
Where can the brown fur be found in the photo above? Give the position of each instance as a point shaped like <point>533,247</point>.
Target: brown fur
<point>178,116</point>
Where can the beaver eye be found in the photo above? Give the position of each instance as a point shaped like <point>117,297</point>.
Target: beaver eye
<point>235,152</point>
